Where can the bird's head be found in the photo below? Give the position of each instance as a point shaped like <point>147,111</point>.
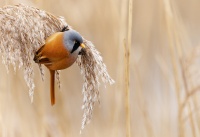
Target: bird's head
<point>73,41</point>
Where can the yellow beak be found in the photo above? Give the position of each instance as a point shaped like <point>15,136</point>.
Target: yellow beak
<point>82,45</point>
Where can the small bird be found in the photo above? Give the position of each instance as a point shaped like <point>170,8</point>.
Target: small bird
<point>59,52</point>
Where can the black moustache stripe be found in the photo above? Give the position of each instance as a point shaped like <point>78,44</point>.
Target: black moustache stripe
<point>76,45</point>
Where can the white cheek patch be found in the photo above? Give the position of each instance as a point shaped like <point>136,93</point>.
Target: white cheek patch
<point>78,50</point>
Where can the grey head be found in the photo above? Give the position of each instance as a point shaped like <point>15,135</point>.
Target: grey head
<point>72,41</point>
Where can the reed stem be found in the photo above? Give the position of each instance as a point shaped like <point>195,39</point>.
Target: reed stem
<point>127,71</point>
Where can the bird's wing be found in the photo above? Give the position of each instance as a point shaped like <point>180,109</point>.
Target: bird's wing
<point>38,58</point>
<point>53,50</point>
<point>38,55</point>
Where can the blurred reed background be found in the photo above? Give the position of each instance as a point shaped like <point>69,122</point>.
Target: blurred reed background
<point>164,74</point>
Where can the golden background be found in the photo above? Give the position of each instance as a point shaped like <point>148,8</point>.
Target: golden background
<point>164,75</point>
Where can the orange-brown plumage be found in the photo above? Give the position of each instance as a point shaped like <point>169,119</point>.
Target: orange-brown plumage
<point>55,54</point>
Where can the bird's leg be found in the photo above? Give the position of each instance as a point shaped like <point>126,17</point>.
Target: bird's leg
<point>52,79</point>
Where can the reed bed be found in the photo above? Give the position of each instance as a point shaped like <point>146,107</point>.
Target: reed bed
<point>152,52</point>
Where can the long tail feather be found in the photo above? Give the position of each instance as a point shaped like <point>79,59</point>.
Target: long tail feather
<point>52,75</point>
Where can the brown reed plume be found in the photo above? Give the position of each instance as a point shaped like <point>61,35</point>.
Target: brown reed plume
<point>92,67</point>
<point>23,29</point>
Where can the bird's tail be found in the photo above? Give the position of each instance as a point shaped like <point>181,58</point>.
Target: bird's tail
<point>52,93</point>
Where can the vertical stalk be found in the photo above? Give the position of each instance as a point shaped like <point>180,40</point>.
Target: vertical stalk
<point>169,17</point>
<point>127,71</point>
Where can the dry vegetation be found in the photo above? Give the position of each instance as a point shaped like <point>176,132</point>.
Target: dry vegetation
<point>157,74</point>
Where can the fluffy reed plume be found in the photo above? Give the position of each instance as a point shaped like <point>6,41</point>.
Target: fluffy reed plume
<point>92,67</point>
<point>23,29</point>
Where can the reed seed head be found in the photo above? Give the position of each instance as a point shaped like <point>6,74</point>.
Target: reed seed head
<point>23,29</point>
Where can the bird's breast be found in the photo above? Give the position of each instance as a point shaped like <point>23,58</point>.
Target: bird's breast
<point>62,63</point>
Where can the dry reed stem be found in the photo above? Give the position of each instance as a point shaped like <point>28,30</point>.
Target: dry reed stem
<point>190,66</point>
<point>178,34</point>
<point>178,39</point>
<point>168,18</point>
<point>23,29</point>
<point>127,70</point>
<point>127,86</point>
<point>174,29</point>
<point>192,112</point>
<point>191,93</point>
